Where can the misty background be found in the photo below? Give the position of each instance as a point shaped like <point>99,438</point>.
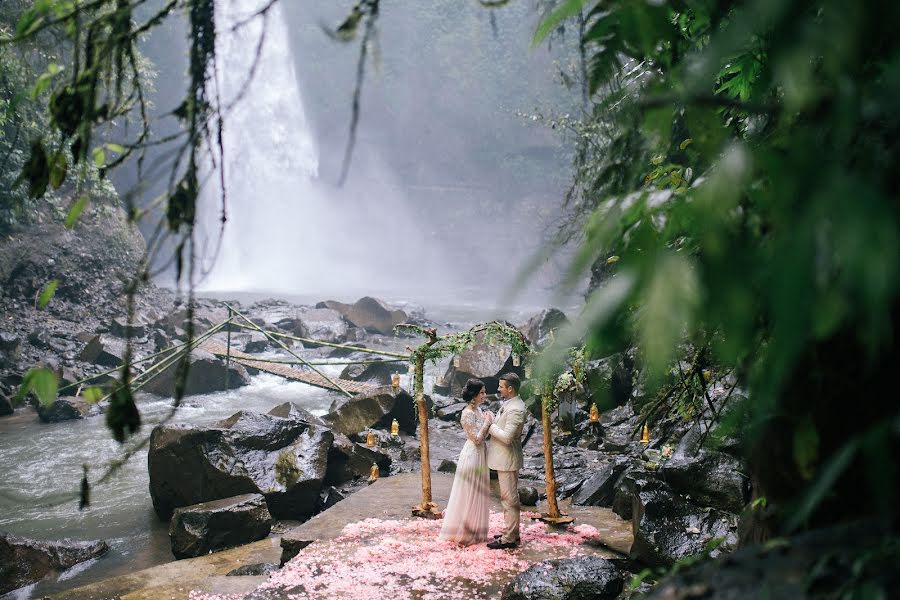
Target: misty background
<point>452,185</point>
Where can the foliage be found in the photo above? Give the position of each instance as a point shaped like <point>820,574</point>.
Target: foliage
<point>740,162</point>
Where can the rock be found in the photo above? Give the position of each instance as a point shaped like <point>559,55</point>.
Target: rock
<point>323,324</point>
<point>290,410</point>
<point>452,412</point>
<point>209,526</point>
<point>330,497</point>
<point>610,379</point>
<point>120,327</point>
<point>482,361</point>
<point>283,459</point>
<point>160,339</point>
<point>206,375</point>
<point>581,578</point>
<point>348,460</point>
<point>537,329</point>
<point>66,408</point>
<point>710,479</point>
<point>529,496</point>
<point>256,342</point>
<point>368,313</point>
<point>818,564</point>
<point>253,570</point>
<point>24,561</point>
<point>6,407</point>
<point>378,373</point>
<point>10,344</point>
<point>599,488</point>
<point>666,527</point>
<point>291,547</point>
<point>376,410</point>
<point>104,350</point>
<point>447,466</point>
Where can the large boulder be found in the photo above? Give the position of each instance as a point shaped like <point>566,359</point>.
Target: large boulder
<point>377,372</point>
<point>209,526</point>
<point>375,410</point>
<point>599,488</point>
<point>66,408</point>
<point>709,478</point>
<point>121,327</point>
<point>24,561</point>
<point>348,460</point>
<point>667,528</point>
<point>207,374</point>
<point>248,453</point>
<point>581,578</point>
<point>486,362</point>
<point>368,313</point>
<point>538,328</point>
<point>104,350</point>
<point>324,324</point>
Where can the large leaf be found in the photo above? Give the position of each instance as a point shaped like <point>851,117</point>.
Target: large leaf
<point>42,381</point>
<point>47,293</point>
<point>569,8</point>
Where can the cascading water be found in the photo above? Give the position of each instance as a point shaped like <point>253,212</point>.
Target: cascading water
<point>286,231</point>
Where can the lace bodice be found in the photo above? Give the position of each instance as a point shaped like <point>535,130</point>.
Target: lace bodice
<point>474,424</point>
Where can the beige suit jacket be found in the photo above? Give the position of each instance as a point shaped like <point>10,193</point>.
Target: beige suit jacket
<point>505,447</point>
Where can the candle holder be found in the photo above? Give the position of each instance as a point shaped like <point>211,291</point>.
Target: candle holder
<point>516,360</point>
<point>645,434</point>
<point>595,413</point>
<point>374,473</point>
<point>456,361</point>
<point>395,381</point>
<point>395,428</point>
<point>371,439</point>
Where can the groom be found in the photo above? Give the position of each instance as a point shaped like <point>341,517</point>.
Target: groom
<point>505,456</point>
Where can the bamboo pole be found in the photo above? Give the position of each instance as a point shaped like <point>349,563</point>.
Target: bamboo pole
<point>287,336</point>
<point>228,349</point>
<point>428,508</point>
<point>291,352</point>
<point>552,515</point>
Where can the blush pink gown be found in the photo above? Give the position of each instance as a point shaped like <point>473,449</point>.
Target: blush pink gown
<point>466,517</point>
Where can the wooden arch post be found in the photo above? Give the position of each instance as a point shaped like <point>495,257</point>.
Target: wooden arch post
<point>427,508</point>
<point>553,515</point>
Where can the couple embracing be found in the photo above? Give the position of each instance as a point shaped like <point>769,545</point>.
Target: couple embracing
<point>466,517</point>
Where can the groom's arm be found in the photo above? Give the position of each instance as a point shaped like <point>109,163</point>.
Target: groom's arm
<point>512,430</point>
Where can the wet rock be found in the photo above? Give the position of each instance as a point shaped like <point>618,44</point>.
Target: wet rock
<point>291,410</point>
<point>378,373</point>
<point>323,324</point>
<point>452,412</point>
<point>330,497</point>
<point>611,379</point>
<point>291,547</point>
<point>66,408</point>
<point>599,488</point>
<point>253,570</point>
<point>581,578</point>
<point>486,362</point>
<point>447,466</point>
<point>710,479</point>
<point>207,374</point>
<point>666,527</point>
<point>538,328</point>
<point>210,526</point>
<point>348,460</point>
<point>256,342</point>
<point>528,495</point>
<point>120,327</point>
<point>283,459</point>
<point>6,407</point>
<point>24,561</point>
<point>368,313</point>
<point>104,350</point>
<point>10,344</point>
<point>792,568</point>
<point>376,410</point>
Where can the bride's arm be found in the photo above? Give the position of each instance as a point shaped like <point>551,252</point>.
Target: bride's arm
<point>473,432</point>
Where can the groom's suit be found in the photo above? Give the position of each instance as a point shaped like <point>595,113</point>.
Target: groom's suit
<point>505,456</point>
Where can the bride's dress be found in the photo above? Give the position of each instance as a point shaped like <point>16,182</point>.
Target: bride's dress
<point>466,517</point>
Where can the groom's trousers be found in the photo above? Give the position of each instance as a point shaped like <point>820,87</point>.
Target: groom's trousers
<point>509,500</point>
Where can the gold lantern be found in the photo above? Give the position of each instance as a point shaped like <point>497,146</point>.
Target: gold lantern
<point>370,439</point>
<point>395,381</point>
<point>595,413</point>
<point>395,428</point>
<point>456,361</point>
<point>645,434</point>
<point>515,360</point>
<point>373,473</point>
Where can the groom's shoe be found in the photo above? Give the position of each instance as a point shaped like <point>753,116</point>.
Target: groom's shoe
<point>498,536</point>
<point>501,545</point>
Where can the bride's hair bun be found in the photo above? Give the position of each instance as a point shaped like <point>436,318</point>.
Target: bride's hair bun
<point>473,388</point>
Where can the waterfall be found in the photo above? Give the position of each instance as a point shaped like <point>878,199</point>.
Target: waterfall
<point>286,231</point>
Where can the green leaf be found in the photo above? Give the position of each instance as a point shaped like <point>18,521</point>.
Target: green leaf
<point>567,9</point>
<point>75,211</point>
<point>92,395</point>
<point>59,167</point>
<point>47,293</point>
<point>42,381</point>
<point>99,157</point>
<point>119,149</point>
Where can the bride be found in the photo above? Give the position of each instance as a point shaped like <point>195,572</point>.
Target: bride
<point>466,517</point>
